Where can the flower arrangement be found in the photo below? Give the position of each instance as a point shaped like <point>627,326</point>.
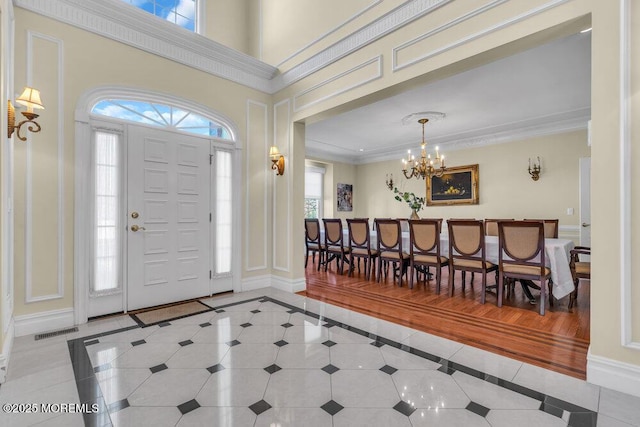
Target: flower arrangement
<point>414,202</point>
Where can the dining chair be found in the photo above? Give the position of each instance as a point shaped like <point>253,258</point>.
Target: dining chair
<point>467,252</point>
<point>334,243</point>
<point>360,246</point>
<point>390,248</point>
<point>312,241</point>
<point>424,235</point>
<point>579,270</point>
<point>550,227</point>
<point>521,256</point>
<point>491,226</point>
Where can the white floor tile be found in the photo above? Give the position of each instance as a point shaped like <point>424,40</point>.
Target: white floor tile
<point>430,389</point>
<point>234,387</point>
<point>370,417</point>
<point>298,388</point>
<point>491,395</point>
<point>303,356</point>
<point>432,344</point>
<point>620,406</point>
<point>141,416</point>
<point>447,417</point>
<point>250,356</point>
<point>118,384</point>
<point>171,387</point>
<point>207,417</point>
<point>356,356</point>
<point>489,363</point>
<point>294,417</point>
<point>532,418</point>
<point>364,389</point>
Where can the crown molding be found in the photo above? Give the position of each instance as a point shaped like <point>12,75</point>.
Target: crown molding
<point>517,131</point>
<point>119,21</point>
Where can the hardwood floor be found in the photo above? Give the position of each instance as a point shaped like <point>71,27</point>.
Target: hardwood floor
<point>557,341</point>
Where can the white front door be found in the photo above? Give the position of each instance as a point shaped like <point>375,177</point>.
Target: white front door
<point>168,217</point>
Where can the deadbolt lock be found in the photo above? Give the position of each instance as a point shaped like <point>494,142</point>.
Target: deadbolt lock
<point>134,215</point>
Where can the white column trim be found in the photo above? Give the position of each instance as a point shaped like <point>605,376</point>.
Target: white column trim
<point>626,225</point>
<point>29,298</point>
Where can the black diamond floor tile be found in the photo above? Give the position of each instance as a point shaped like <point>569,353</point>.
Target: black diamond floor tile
<point>158,368</point>
<point>404,408</point>
<point>377,344</point>
<point>164,324</point>
<point>185,343</point>
<point>215,368</point>
<point>219,311</point>
<point>232,343</point>
<point>332,407</point>
<point>329,343</point>
<point>118,406</point>
<point>330,369</point>
<point>286,325</point>
<point>189,406</point>
<point>255,311</point>
<point>139,342</point>
<point>205,324</point>
<point>281,343</point>
<point>272,368</point>
<point>260,407</point>
<point>328,325</point>
<point>388,369</point>
<point>246,325</point>
<point>476,408</point>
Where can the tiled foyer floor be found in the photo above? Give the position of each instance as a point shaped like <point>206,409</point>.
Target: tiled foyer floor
<point>268,358</point>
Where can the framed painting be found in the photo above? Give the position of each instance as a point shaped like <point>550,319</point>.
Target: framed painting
<point>457,186</point>
<point>345,197</point>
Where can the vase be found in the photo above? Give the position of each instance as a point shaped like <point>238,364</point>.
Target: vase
<point>414,214</point>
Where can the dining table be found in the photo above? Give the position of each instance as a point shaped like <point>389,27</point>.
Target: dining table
<point>557,252</point>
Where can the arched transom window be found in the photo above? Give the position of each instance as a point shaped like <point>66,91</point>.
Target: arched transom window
<point>161,115</point>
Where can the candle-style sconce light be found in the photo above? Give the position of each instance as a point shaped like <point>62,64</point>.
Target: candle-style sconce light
<point>30,98</point>
<point>277,160</point>
<point>389,181</point>
<point>534,169</point>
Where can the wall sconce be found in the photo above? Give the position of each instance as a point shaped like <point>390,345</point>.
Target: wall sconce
<point>534,170</point>
<point>277,159</point>
<point>389,182</point>
<point>31,99</point>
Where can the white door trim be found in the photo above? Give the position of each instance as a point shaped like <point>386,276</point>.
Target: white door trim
<point>84,191</point>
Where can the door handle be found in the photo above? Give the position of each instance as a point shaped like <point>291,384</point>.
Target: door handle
<point>136,228</point>
<point>584,224</point>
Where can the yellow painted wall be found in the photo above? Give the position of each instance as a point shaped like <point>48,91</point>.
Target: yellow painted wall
<point>116,64</point>
<point>228,22</point>
<point>506,190</point>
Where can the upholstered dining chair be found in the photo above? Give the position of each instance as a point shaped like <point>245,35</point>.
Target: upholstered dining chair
<point>550,227</point>
<point>491,226</point>
<point>467,252</point>
<point>312,241</point>
<point>521,256</point>
<point>334,243</point>
<point>579,270</point>
<point>390,248</point>
<point>360,246</point>
<point>424,249</point>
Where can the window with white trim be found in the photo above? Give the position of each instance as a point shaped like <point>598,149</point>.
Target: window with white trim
<point>183,13</point>
<point>155,114</point>
<point>313,192</point>
<point>223,206</point>
<point>107,247</point>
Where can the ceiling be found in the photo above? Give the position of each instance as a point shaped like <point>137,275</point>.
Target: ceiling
<point>539,91</point>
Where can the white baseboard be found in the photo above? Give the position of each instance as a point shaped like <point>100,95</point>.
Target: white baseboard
<point>613,374</point>
<point>7,345</point>
<point>270,280</point>
<point>288,285</point>
<point>43,322</point>
<point>256,282</point>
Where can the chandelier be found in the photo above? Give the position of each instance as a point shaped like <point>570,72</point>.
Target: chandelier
<point>425,166</point>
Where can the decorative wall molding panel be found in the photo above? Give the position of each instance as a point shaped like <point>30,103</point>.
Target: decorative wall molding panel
<point>282,188</point>
<point>331,31</point>
<point>486,31</point>
<point>362,74</point>
<point>38,219</point>
<point>417,43</point>
<point>257,184</point>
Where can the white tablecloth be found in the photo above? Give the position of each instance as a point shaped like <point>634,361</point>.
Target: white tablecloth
<point>556,257</point>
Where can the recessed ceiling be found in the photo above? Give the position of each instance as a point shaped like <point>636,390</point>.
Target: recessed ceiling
<point>542,90</point>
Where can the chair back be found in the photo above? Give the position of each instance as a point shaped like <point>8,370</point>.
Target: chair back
<point>312,230</point>
<point>389,235</point>
<point>522,242</point>
<point>491,226</point>
<point>550,227</point>
<point>425,236</point>
<point>332,232</point>
<point>359,236</point>
<point>466,239</point>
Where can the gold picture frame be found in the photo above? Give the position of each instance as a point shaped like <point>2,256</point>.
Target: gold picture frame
<point>457,186</point>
